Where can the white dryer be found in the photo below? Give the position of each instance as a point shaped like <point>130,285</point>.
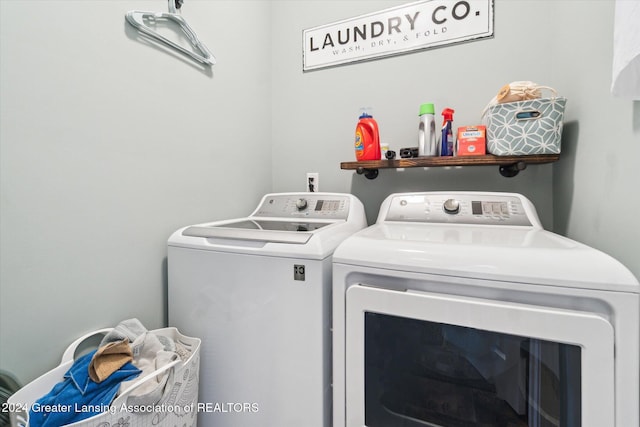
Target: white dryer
<point>459,309</point>
<point>257,291</point>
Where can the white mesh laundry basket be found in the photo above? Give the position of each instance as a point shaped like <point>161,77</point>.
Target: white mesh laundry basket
<point>177,407</point>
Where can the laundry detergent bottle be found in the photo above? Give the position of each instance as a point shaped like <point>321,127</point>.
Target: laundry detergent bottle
<point>367,141</point>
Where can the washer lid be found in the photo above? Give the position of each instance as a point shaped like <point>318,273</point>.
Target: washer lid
<point>505,253</point>
<point>283,231</point>
<point>296,225</point>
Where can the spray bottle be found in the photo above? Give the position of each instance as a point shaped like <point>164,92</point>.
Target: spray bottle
<point>446,140</point>
<point>367,142</point>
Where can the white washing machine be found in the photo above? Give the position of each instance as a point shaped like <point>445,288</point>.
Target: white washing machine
<point>257,291</point>
<point>458,309</point>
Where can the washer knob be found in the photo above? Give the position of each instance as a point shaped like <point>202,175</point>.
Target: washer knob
<point>301,204</point>
<point>451,206</point>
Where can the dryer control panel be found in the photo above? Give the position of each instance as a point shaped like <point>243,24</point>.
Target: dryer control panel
<point>304,205</point>
<point>460,208</point>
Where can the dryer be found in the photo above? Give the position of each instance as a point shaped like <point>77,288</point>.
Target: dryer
<point>459,309</point>
<point>257,291</point>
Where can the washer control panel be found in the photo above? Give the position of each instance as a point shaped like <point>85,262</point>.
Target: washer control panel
<point>460,208</point>
<point>307,205</point>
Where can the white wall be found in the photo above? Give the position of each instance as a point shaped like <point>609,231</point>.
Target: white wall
<point>108,145</point>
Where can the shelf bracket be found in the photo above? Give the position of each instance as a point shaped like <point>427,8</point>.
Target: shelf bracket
<point>368,173</point>
<point>509,171</point>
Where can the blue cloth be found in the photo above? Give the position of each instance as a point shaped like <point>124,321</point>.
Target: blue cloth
<point>78,397</point>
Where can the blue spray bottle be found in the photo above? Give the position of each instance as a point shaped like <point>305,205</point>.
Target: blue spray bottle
<point>446,140</point>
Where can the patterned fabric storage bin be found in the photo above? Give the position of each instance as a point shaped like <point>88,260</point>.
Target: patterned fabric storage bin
<point>525,127</point>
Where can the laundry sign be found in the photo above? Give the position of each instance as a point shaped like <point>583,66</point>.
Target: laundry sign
<point>398,30</point>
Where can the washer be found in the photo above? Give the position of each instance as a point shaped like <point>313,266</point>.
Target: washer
<point>460,309</point>
<point>257,291</point>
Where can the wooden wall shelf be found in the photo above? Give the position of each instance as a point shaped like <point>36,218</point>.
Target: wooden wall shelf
<point>509,166</point>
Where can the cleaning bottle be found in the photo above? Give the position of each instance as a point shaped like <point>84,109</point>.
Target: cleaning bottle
<point>427,131</point>
<point>367,143</point>
<point>446,140</point>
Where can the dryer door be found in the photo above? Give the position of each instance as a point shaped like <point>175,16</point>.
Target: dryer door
<point>427,359</point>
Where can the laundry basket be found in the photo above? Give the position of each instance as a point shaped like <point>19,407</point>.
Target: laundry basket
<point>177,407</point>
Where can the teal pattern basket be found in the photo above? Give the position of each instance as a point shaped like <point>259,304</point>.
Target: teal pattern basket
<point>525,127</point>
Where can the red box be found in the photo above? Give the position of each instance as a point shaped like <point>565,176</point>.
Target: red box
<point>472,141</point>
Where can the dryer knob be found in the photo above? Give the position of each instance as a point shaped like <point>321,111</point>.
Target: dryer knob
<point>301,204</point>
<point>451,206</point>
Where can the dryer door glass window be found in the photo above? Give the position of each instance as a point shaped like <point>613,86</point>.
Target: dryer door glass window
<point>415,358</point>
<point>420,373</point>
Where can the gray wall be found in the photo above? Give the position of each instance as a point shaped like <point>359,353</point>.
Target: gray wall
<point>315,113</point>
<point>590,194</point>
<point>108,144</point>
<point>596,196</point>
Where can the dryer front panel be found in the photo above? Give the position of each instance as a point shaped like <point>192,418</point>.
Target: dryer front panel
<point>417,358</point>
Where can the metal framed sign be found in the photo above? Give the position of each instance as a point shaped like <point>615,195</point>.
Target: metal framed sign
<point>398,30</point>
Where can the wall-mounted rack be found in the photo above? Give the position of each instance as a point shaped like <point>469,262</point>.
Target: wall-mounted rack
<point>509,166</point>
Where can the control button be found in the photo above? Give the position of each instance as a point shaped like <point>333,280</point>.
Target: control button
<point>451,206</point>
<point>301,204</point>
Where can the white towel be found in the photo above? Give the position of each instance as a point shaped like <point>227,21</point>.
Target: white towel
<point>149,355</point>
<point>626,50</point>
